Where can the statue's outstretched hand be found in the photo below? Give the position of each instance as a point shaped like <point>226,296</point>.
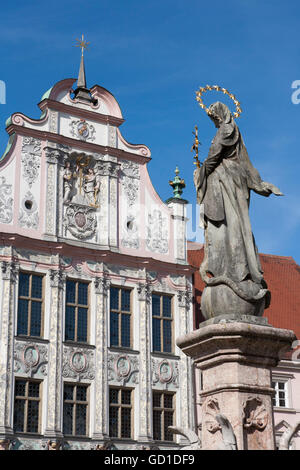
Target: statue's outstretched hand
<point>270,188</point>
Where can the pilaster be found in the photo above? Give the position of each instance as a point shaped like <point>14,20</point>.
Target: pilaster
<point>54,389</point>
<point>9,280</point>
<point>101,422</point>
<point>145,386</point>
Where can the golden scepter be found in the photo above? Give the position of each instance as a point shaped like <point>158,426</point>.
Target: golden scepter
<point>195,147</point>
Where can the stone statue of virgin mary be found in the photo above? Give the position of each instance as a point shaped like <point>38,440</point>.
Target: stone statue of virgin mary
<point>231,268</point>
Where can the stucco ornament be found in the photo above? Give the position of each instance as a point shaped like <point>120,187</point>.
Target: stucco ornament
<point>165,372</point>
<point>130,176</point>
<point>80,221</point>
<point>30,358</point>
<point>31,153</point>
<point>78,363</point>
<point>123,368</point>
<point>157,232</point>
<point>6,202</point>
<point>28,215</point>
<point>231,268</point>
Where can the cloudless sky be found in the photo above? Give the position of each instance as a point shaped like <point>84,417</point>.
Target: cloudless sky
<point>152,56</point>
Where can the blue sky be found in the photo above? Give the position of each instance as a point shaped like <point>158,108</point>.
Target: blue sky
<point>153,56</point>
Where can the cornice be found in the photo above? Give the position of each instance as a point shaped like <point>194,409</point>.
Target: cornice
<point>79,112</point>
<point>88,253</point>
<point>74,143</point>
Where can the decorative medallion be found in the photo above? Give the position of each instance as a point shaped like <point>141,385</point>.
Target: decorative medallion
<point>31,356</point>
<point>78,361</point>
<point>82,130</point>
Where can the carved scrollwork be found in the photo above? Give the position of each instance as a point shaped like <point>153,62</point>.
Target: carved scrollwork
<point>255,414</point>
<point>6,202</point>
<point>157,239</point>
<point>80,221</point>
<point>30,358</point>
<point>123,368</point>
<point>165,372</point>
<point>78,363</point>
<point>31,153</point>
<point>211,410</point>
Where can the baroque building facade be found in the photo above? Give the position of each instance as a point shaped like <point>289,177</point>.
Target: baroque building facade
<point>95,284</point>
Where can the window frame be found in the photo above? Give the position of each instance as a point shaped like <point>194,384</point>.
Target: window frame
<point>26,398</point>
<point>120,406</point>
<point>162,409</point>
<point>31,299</point>
<point>76,305</point>
<point>121,312</point>
<point>162,318</point>
<point>276,399</point>
<point>74,404</point>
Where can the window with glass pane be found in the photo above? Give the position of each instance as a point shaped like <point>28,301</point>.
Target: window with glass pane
<point>120,317</point>
<point>120,413</point>
<point>77,311</point>
<point>30,304</point>
<point>162,323</point>
<point>27,406</point>
<point>75,414</point>
<point>163,415</point>
<point>281,394</point>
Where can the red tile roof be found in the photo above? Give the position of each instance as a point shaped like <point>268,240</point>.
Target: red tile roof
<point>282,275</point>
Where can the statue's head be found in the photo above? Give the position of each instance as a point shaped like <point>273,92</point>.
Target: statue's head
<point>219,113</point>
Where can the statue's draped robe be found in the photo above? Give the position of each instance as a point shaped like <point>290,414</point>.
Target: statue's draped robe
<point>223,186</point>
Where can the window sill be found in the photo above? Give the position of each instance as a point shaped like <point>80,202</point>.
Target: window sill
<point>79,345</point>
<point>284,410</point>
<point>123,349</point>
<point>36,339</point>
<point>165,355</point>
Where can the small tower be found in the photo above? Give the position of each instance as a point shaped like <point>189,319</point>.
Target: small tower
<point>177,205</point>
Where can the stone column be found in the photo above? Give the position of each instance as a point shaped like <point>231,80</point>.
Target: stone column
<point>179,227</point>
<point>54,391</point>
<point>101,424</point>
<point>7,327</point>
<point>145,385</point>
<point>236,359</point>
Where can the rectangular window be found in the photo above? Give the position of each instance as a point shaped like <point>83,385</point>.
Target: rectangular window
<point>75,418</point>
<point>120,317</point>
<point>120,412</point>
<point>30,304</point>
<point>77,311</point>
<point>27,406</point>
<point>162,323</point>
<point>163,415</point>
<point>281,394</point>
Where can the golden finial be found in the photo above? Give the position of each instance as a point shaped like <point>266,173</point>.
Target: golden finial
<point>82,43</point>
<point>195,147</point>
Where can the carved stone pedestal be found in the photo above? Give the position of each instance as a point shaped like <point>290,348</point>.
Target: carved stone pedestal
<point>236,359</point>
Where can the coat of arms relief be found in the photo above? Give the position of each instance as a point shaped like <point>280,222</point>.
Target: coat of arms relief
<point>81,189</point>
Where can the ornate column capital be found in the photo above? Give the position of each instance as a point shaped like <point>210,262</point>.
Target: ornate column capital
<point>57,278</point>
<point>102,285</point>
<point>185,297</point>
<point>10,271</point>
<point>144,291</point>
